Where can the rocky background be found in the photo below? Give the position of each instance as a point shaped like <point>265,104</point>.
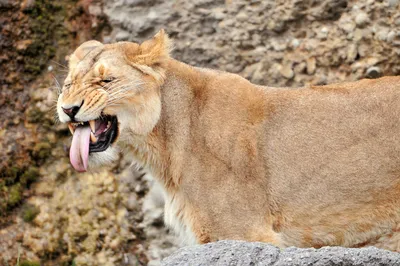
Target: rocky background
<point>49,215</point>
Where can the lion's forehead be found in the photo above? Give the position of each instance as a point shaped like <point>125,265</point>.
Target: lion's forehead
<point>107,57</point>
<point>111,62</point>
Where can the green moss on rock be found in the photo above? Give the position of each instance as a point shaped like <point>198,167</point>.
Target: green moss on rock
<point>3,197</point>
<point>11,174</point>
<point>34,115</point>
<point>29,263</point>
<point>14,195</point>
<point>30,175</point>
<point>46,26</point>
<point>13,181</point>
<point>41,150</point>
<point>29,212</point>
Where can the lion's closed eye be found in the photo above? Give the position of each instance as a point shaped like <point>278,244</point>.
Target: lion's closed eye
<point>108,79</point>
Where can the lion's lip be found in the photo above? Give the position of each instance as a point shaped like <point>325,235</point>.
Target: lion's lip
<point>103,132</point>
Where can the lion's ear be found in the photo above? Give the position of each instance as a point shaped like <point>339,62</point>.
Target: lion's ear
<point>155,50</point>
<point>82,51</point>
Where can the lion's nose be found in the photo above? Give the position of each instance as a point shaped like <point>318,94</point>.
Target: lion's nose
<point>72,111</point>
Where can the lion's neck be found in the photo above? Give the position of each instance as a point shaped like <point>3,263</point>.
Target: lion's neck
<point>163,151</point>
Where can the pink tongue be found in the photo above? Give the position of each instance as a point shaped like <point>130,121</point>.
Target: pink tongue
<point>79,151</point>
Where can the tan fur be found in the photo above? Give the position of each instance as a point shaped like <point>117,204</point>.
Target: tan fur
<point>307,167</point>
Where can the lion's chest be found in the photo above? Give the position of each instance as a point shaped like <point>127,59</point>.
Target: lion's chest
<point>176,217</point>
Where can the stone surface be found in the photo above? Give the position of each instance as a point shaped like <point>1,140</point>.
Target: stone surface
<point>35,38</point>
<point>87,216</point>
<point>246,253</point>
<point>277,43</point>
<point>268,42</point>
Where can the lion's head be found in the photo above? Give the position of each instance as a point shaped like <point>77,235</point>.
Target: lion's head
<point>112,92</point>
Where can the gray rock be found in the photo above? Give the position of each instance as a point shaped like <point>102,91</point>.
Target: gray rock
<point>229,252</point>
<point>391,36</point>
<point>393,3</point>
<point>5,3</point>
<point>122,36</point>
<point>362,19</point>
<point>287,71</point>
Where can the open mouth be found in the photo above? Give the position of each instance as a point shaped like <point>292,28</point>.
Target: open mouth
<point>103,132</point>
<point>91,136</point>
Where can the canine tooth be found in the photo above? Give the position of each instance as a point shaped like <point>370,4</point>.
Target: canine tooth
<point>71,128</point>
<point>93,137</point>
<point>92,125</point>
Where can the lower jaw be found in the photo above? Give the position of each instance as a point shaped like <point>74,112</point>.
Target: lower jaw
<point>110,136</point>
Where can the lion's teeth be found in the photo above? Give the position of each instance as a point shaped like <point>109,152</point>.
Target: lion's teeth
<point>71,128</point>
<point>93,137</point>
<point>92,125</point>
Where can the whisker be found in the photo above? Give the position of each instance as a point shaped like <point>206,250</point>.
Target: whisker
<point>61,65</point>
<point>58,86</point>
<point>125,88</point>
<point>118,97</point>
<point>119,91</point>
<point>113,85</point>
<point>117,100</point>
<point>62,70</point>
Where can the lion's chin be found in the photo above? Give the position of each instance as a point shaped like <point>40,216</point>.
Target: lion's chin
<point>104,158</point>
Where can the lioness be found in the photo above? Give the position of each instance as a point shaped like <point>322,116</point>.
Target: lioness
<point>307,167</point>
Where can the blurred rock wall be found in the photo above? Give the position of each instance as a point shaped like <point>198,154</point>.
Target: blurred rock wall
<point>35,37</point>
<point>276,43</point>
<point>114,216</point>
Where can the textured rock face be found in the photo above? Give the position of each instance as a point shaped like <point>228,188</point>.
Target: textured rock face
<point>245,253</point>
<point>31,34</point>
<point>90,218</point>
<point>270,42</point>
<point>277,43</point>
